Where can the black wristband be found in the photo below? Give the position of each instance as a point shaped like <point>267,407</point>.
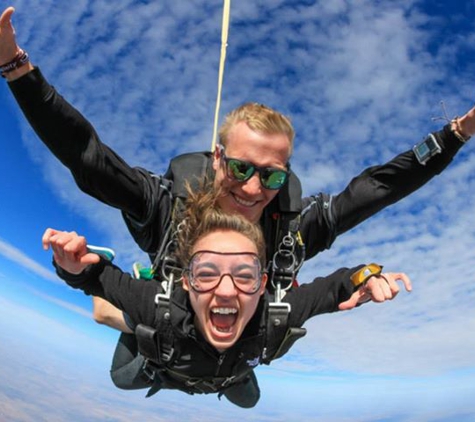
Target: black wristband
<point>19,60</point>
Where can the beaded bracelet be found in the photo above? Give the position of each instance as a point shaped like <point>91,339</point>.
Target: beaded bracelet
<point>457,131</point>
<point>19,60</point>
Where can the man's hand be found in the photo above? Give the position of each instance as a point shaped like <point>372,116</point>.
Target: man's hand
<point>8,45</point>
<point>69,250</point>
<point>378,289</point>
<point>467,123</point>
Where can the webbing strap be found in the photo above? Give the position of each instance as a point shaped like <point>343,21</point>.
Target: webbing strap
<point>278,328</point>
<point>204,385</point>
<point>291,336</point>
<point>224,44</point>
<point>147,342</point>
<point>278,319</point>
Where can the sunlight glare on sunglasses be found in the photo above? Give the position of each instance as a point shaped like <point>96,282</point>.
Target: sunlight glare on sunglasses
<point>270,177</point>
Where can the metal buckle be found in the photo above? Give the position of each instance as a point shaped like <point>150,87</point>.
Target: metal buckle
<point>148,371</point>
<point>278,309</point>
<point>166,355</point>
<point>228,381</point>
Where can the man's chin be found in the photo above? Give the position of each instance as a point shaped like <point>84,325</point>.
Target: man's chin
<point>251,213</point>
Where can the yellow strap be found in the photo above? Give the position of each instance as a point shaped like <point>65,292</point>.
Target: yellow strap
<point>224,44</point>
<point>364,274</point>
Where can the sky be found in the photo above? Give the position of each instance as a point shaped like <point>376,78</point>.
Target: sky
<point>362,81</point>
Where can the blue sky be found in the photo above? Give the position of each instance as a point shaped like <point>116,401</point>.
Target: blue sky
<point>361,82</point>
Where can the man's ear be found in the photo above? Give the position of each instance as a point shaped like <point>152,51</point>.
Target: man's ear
<point>216,157</point>
<point>264,284</point>
<point>185,283</point>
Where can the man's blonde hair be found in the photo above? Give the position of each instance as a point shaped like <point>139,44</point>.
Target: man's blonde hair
<point>259,118</point>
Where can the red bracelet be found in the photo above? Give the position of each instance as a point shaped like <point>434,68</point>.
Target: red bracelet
<point>19,60</point>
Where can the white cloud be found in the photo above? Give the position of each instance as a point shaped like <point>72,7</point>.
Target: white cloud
<point>16,255</point>
<point>63,304</point>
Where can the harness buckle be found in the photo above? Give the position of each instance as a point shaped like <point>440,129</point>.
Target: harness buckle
<point>202,386</point>
<point>192,382</point>
<point>162,300</point>
<point>166,354</point>
<point>148,370</point>
<point>282,276</point>
<point>285,264</point>
<point>228,381</point>
<point>278,313</point>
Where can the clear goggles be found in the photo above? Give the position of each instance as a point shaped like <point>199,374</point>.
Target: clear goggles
<point>208,268</point>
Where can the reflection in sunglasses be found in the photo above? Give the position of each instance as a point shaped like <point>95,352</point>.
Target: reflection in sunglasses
<point>270,177</point>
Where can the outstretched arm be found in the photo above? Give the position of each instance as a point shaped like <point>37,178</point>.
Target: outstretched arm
<point>377,289</point>
<point>97,170</point>
<point>379,186</point>
<point>107,314</point>
<point>9,47</point>
<point>70,252</point>
<point>86,271</point>
<point>337,292</point>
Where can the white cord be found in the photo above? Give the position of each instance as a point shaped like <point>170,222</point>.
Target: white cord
<point>224,44</point>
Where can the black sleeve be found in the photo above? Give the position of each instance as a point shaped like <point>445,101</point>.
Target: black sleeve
<point>105,280</point>
<point>322,295</point>
<point>325,217</point>
<point>97,170</point>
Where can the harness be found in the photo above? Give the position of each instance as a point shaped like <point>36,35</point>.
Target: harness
<point>287,260</point>
<point>161,349</point>
<point>158,346</point>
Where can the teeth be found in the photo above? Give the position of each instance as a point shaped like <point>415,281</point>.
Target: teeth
<point>224,311</point>
<point>243,202</point>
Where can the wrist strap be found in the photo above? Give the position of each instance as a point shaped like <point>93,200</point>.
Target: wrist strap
<point>364,274</point>
<point>19,60</point>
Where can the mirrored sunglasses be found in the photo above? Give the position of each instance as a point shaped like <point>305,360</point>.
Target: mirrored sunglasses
<point>271,177</point>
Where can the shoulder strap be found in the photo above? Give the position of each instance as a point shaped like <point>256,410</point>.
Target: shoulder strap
<point>290,196</point>
<point>156,345</point>
<point>285,248</point>
<point>289,256</point>
<point>191,168</point>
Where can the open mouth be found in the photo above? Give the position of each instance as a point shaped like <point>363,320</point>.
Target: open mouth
<point>223,319</point>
